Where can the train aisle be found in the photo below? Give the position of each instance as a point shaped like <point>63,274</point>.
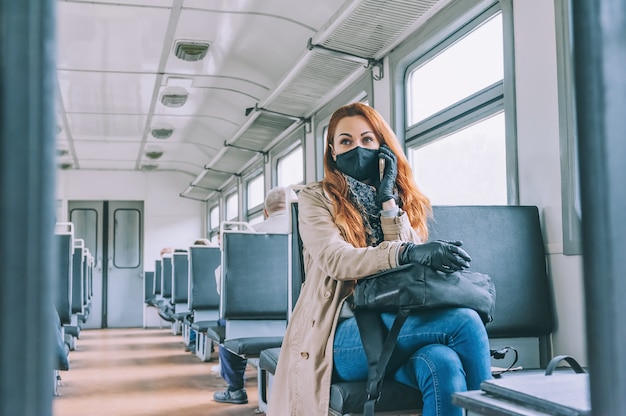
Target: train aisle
<point>141,372</point>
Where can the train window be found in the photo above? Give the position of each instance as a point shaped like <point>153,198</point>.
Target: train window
<point>456,132</point>
<point>214,218</point>
<point>127,238</point>
<point>469,65</point>
<point>466,167</point>
<point>255,192</point>
<point>232,207</point>
<point>290,168</point>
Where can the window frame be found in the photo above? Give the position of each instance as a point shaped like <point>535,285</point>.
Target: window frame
<point>253,211</point>
<point>213,229</point>
<point>570,189</point>
<point>500,96</point>
<point>285,153</point>
<point>231,193</point>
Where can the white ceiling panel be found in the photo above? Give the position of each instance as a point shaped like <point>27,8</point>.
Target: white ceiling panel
<point>99,164</point>
<point>106,92</point>
<point>314,15</point>
<point>150,3</point>
<point>183,152</point>
<point>243,45</point>
<point>89,150</point>
<point>106,126</point>
<point>220,103</point>
<point>194,129</point>
<point>110,37</point>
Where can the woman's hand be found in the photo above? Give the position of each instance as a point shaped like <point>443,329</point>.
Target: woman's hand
<point>441,255</point>
<point>388,181</point>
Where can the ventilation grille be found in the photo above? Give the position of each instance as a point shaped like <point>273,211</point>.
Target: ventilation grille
<point>312,83</point>
<point>371,29</point>
<point>266,127</point>
<point>368,32</point>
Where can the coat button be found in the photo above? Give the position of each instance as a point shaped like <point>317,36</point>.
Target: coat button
<point>384,244</point>
<point>304,355</point>
<point>327,294</point>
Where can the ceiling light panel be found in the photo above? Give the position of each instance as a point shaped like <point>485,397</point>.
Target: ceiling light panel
<point>94,36</point>
<point>190,51</point>
<point>106,126</point>
<point>106,151</point>
<point>174,97</point>
<point>125,93</point>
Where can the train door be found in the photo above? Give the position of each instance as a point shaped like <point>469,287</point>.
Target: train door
<point>113,232</point>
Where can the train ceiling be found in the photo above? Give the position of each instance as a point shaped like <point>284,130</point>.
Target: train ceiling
<point>207,87</point>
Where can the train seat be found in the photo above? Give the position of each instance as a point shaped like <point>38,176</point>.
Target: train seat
<point>253,295</point>
<point>204,300</point>
<point>504,242</point>
<point>180,292</point>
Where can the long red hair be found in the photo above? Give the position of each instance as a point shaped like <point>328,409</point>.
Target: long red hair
<point>347,217</point>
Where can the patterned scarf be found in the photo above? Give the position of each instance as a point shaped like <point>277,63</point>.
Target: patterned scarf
<point>363,196</point>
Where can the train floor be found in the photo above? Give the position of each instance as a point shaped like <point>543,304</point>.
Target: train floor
<point>141,372</point>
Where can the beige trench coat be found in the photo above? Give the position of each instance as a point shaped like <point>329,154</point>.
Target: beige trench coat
<point>303,375</point>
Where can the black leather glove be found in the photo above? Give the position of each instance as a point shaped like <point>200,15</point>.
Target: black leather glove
<point>441,255</point>
<point>388,181</point>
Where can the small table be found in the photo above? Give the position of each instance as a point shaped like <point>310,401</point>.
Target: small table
<point>529,393</point>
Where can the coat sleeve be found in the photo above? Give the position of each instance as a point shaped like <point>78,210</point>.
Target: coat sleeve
<point>324,245</point>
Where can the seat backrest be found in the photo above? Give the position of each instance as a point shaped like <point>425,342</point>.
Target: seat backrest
<point>78,261</point>
<point>87,276</point>
<point>158,265</point>
<point>148,286</point>
<point>506,243</point>
<point>296,278</point>
<point>63,303</point>
<point>254,276</point>
<point>166,277</point>
<point>180,277</point>
<point>203,260</point>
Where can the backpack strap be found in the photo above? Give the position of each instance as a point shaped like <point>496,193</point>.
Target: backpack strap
<point>379,346</point>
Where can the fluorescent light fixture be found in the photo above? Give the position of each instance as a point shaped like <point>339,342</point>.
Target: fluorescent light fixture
<point>174,97</point>
<point>154,152</point>
<point>161,132</point>
<point>190,51</point>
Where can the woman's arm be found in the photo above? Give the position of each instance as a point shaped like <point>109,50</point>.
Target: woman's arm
<point>329,251</point>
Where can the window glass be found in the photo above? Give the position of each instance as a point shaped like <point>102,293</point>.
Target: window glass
<point>255,191</point>
<point>126,238</point>
<point>467,167</point>
<point>256,218</point>
<point>214,217</point>
<point>290,168</point>
<point>232,207</point>
<point>466,67</point>
<point>86,227</point>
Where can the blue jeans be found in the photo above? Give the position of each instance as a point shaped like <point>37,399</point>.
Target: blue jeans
<point>232,366</point>
<point>447,351</point>
<point>233,369</point>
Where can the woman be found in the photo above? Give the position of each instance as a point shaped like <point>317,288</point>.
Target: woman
<point>355,223</point>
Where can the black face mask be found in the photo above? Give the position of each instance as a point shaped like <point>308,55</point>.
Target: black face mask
<point>360,163</point>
